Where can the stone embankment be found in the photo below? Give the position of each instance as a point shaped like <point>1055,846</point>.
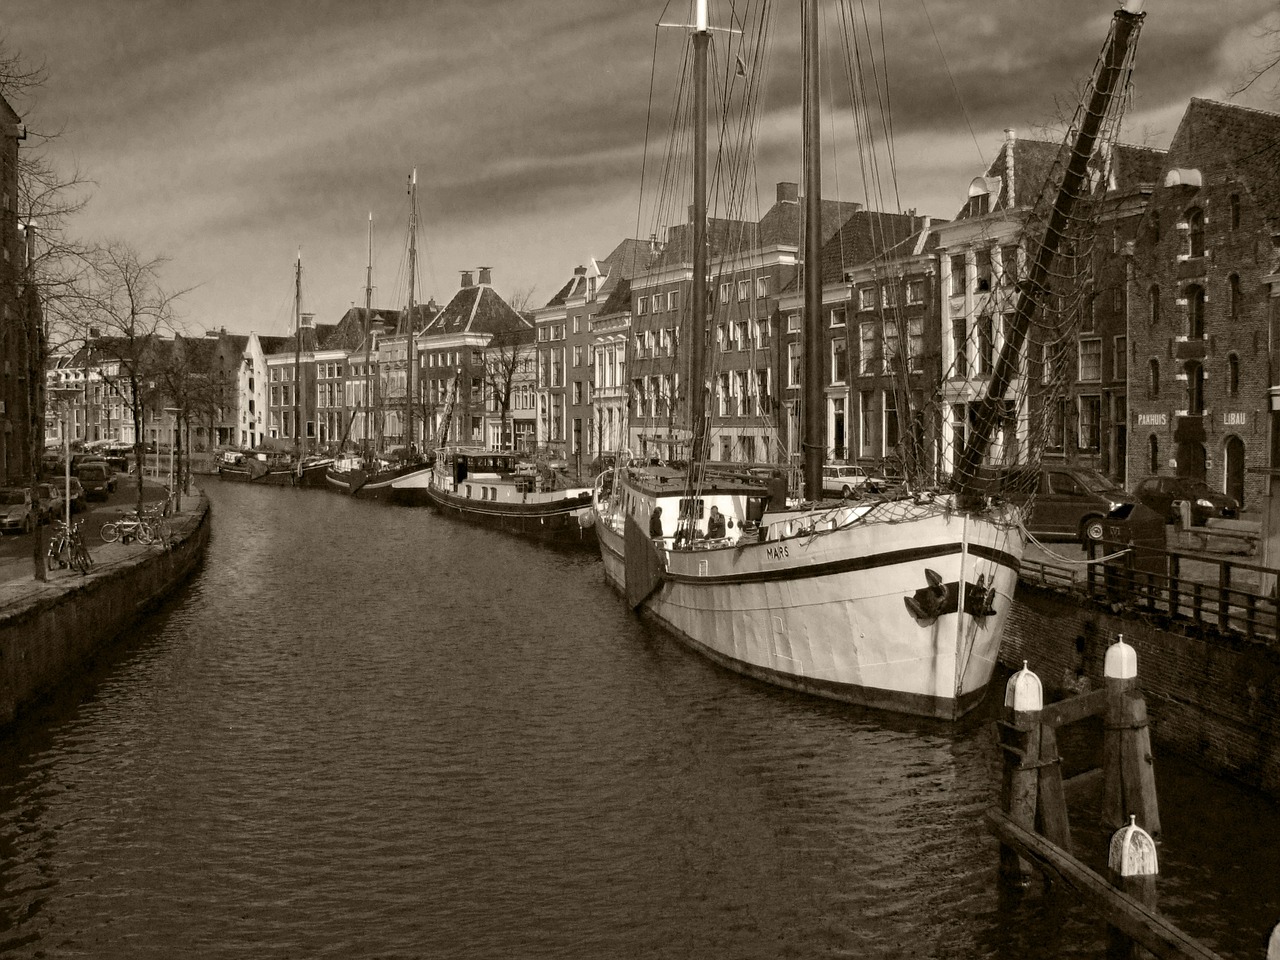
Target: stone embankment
<point>1213,694</point>
<point>49,630</point>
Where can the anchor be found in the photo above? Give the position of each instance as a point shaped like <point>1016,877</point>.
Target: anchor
<point>980,597</point>
<point>930,602</point>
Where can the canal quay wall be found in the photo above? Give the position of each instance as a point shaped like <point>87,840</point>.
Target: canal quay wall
<point>49,631</point>
<point>1213,697</point>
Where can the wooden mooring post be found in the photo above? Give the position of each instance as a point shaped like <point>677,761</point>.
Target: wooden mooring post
<point>1032,820</point>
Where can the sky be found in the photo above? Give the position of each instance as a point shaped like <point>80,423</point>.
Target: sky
<point>228,135</point>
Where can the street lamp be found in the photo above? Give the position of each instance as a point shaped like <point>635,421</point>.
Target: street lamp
<point>64,397</point>
<point>173,426</point>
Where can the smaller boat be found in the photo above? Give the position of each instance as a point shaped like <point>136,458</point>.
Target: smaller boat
<point>313,472</point>
<point>249,468</point>
<point>369,479</point>
<point>503,490</point>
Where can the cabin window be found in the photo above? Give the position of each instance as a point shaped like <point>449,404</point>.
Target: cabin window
<point>691,508</point>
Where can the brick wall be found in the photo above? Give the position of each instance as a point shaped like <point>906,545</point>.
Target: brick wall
<point>44,640</point>
<point>1214,699</point>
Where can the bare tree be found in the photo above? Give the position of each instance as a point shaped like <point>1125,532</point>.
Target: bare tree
<point>507,356</point>
<point>186,383</point>
<point>1269,34</point>
<point>135,315</point>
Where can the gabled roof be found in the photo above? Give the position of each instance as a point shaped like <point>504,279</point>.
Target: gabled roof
<point>348,333</point>
<point>783,223</point>
<point>476,309</point>
<point>1244,140</point>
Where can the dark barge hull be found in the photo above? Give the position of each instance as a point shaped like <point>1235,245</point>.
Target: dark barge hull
<point>553,523</point>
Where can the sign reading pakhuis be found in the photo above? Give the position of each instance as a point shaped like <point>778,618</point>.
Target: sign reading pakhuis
<point>1153,419</point>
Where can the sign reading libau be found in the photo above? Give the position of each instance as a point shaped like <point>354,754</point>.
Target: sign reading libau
<point>1236,418</point>
<point>1153,419</point>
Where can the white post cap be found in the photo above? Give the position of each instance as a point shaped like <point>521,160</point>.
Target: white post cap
<point>1024,691</point>
<point>1133,852</point>
<point>1121,662</point>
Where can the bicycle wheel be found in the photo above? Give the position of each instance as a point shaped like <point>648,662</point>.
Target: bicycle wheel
<point>164,532</point>
<point>109,532</point>
<point>144,533</point>
<point>80,557</point>
<point>52,558</point>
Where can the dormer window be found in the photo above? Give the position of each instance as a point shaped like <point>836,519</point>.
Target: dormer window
<point>979,202</point>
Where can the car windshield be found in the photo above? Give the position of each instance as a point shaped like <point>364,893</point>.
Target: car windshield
<point>1097,483</point>
<point>10,497</point>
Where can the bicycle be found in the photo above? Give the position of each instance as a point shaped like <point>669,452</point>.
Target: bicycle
<point>68,549</point>
<point>130,526</point>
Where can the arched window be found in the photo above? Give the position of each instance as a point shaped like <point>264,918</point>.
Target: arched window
<point>1236,296</point>
<point>1195,387</point>
<point>1154,294</point>
<point>1195,312</point>
<point>1195,232</point>
<point>1233,375</point>
<point>1153,379</point>
<point>1153,454</point>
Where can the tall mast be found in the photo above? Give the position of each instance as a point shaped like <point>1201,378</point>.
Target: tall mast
<point>813,439</point>
<point>413,267</point>
<point>297,360</point>
<point>368,320</point>
<point>1111,74</point>
<point>698,304</point>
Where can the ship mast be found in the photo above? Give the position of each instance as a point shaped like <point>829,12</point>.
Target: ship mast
<point>297,361</point>
<point>813,439</point>
<point>698,301</point>
<point>368,322</point>
<point>1116,60</point>
<point>413,267</point>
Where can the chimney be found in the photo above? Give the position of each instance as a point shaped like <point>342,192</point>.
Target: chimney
<point>486,276</point>
<point>788,192</point>
<point>579,271</point>
<point>467,282</point>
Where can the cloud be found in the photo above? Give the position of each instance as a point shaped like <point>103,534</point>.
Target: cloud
<point>226,135</point>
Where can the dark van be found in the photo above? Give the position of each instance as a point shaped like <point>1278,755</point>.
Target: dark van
<point>1065,501</point>
<point>97,477</point>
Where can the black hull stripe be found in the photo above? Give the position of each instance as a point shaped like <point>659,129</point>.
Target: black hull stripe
<point>522,511</point>
<point>834,567</point>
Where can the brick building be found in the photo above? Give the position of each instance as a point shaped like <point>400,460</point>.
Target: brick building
<point>1204,281</point>
<point>19,315</point>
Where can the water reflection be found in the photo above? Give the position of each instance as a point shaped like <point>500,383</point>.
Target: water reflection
<point>367,731</point>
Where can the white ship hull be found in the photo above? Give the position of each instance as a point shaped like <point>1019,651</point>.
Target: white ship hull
<point>826,612</point>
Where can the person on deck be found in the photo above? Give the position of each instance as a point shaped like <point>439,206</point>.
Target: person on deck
<point>655,523</point>
<point>715,525</point>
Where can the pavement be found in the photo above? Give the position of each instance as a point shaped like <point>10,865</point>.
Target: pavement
<point>17,577</point>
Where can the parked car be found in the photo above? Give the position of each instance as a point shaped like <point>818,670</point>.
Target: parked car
<point>98,478</point>
<point>848,481</point>
<point>17,512</point>
<point>1065,501</point>
<point>1164,494</point>
<point>51,501</point>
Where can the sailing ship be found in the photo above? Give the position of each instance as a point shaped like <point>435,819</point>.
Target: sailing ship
<point>895,603</point>
<point>274,468</point>
<point>369,475</point>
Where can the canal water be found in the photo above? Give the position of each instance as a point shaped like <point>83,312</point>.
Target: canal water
<point>366,731</point>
